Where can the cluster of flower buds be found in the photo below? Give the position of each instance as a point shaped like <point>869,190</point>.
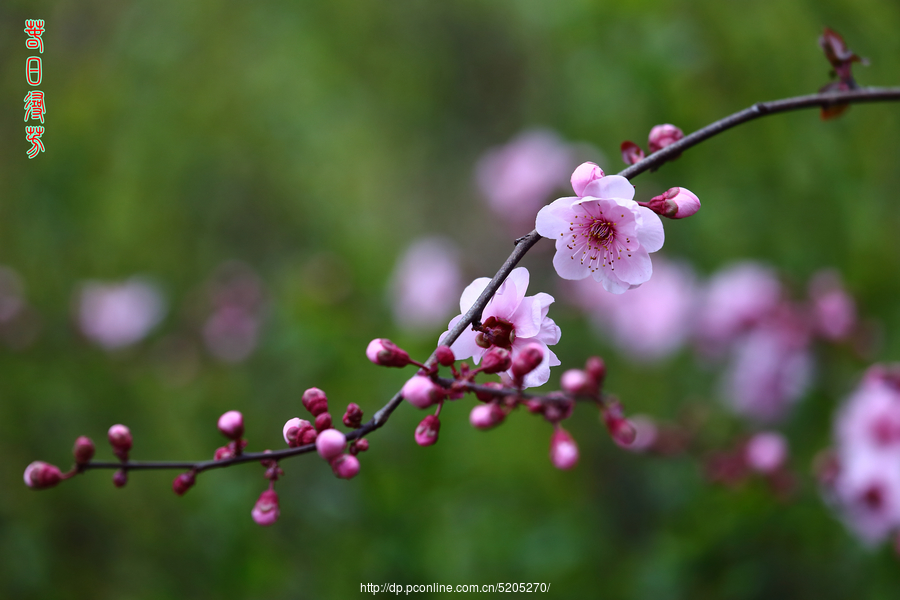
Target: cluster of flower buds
<point>120,439</point>
<point>660,137</point>
<point>498,399</point>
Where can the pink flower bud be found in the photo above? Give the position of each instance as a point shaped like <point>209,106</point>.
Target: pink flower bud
<point>385,353</point>
<point>631,153</point>
<point>120,478</point>
<point>485,416</point>
<point>40,475</point>
<point>353,416</point>
<point>622,432</point>
<point>345,466</point>
<point>291,429</point>
<point>265,512</point>
<point>646,434</point>
<point>427,431</point>
<point>766,452</point>
<point>527,360</point>
<point>495,360</point>
<point>120,440</point>
<point>487,396</point>
<point>445,356</point>
<point>563,450</point>
<point>578,383</point>
<point>421,392</point>
<point>662,136</point>
<point>231,424</point>
<point>323,422</point>
<point>596,368</point>
<point>330,444</point>
<point>315,401</point>
<point>360,445</point>
<point>184,482</point>
<point>223,452</point>
<point>584,174</point>
<point>307,435</point>
<point>676,203</point>
<point>83,450</point>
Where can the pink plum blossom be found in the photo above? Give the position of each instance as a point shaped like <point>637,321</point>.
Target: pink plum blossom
<point>425,282</point>
<point>584,174</point>
<point>422,392</point>
<point>511,321</point>
<point>116,315</point>
<point>345,466</point>
<point>604,234</point>
<point>650,322</point>
<point>563,450</point>
<point>231,424</point>
<point>662,136</point>
<point>518,178</point>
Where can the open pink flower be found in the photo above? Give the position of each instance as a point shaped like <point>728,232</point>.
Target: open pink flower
<point>510,321</point>
<point>604,233</point>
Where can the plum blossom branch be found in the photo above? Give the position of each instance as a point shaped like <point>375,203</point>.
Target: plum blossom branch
<point>523,245</point>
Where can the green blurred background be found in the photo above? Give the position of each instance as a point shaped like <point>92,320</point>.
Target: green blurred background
<point>313,141</point>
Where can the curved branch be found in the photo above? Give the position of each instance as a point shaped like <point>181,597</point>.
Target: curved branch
<point>523,245</point>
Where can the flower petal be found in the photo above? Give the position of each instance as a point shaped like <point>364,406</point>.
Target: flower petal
<point>567,262</point>
<point>471,293</point>
<point>650,230</point>
<point>635,268</point>
<point>611,186</point>
<point>555,218</point>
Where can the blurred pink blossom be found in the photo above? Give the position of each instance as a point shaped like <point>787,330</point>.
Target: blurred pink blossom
<point>735,299</point>
<point>650,322</point>
<point>519,177</point>
<point>116,315</point>
<point>866,488</point>
<point>510,320</point>
<point>231,331</point>
<point>834,310</point>
<point>770,369</point>
<point>766,452</point>
<point>425,284</point>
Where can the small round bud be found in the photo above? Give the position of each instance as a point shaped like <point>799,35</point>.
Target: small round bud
<point>386,353</point>
<point>315,401</point>
<point>596,368</point>
<point>353,416</point>
<point>676,203</point>
<point>345,466</point>
<point>427,431</point>
<point>578,383</point>
<point>766,452</point>
<point>184,482</point>
<point>330,444</point>
<point>495,360</point>
<point>361,445</point>
<point>83,450</point>
<point>120,439</point>
<point>323,422</point>
<point>631,152</point>
<point>584,174</point>
<point>307,435</point>
<point>421,392</point>
<point>445,356</point>
<point>231,424</point>
<point>563,450</point>
<point>120,478</point>
<point>486,416</point>
<point>40,475</point>
<point>527,360</point>
<point>265,512</point>
<point>662,136</point>
<point>622,432</point>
